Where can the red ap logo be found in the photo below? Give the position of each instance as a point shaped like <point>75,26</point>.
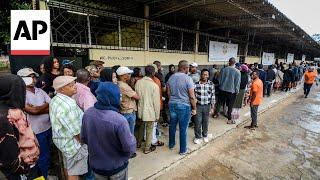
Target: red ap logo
<point>30,32</point>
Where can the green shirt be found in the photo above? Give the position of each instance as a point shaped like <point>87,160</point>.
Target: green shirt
<point>66,121</point>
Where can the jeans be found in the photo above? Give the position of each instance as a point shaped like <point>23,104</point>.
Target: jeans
<point>44,140</point>
<point>254,115</point>
<point>269,85</point>
<point>122,175</point>
<point>202,120</point>
<point>307,88</point>
<point>131,118</point>
<point>179,113</point>
<point>228,98</point>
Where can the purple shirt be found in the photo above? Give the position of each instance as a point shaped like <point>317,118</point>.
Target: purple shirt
<point>110,143</point>
<point>39,123</point>
<point>84,98</point>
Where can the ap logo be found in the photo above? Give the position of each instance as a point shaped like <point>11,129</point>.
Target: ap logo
<point>30,32</point>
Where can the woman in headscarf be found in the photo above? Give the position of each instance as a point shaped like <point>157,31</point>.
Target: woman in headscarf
<point>243,85</point>
<point>108,75</point>
<point>19,148</point>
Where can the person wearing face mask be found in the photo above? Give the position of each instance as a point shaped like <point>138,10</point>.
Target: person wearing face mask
<point>37,109</point>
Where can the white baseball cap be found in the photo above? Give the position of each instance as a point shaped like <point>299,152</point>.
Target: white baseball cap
<point>26,72</point>
<point>123,70</point>
<point>194,64</point>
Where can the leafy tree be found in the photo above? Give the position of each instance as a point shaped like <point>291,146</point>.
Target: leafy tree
<point>5,7</point>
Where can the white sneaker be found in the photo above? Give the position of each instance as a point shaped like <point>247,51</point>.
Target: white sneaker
<point>206,139</point>
<point>197,141</point>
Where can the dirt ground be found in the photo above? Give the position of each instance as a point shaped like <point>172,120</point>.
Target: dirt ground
<point>285,146</point>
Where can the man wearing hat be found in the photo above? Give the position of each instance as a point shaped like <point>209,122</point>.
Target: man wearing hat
<point>66,121</point>
<point>128,105</point>
<point>37,109</point>
<point>195,76</point>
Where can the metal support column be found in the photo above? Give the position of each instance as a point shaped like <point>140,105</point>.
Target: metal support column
<point>197,37</point>
<point>247,46</point>
<point>89,30</point>
<point>119,33</point>
<point>146,27</point>
<point>181,40</point>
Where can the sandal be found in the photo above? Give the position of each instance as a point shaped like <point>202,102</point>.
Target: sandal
<point>152,148</point>
<point>250,127</point>
<point>138,145</point>
<point>158,143</point>
<point>164,124</point>
<point>231,122</point>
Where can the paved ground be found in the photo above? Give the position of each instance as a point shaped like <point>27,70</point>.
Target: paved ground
<point>285,146</point>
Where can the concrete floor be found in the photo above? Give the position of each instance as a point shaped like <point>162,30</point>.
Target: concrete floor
<point>285,146</point>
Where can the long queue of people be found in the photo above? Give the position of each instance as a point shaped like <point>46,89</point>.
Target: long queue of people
<point>91,114</point>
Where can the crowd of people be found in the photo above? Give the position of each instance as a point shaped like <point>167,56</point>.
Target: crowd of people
<point>92,114</point>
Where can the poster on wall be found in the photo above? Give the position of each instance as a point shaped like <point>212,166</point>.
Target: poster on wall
<point>290,58</point>
<point>267,58</point>
<point>219,51</point>
<point>303,57</point>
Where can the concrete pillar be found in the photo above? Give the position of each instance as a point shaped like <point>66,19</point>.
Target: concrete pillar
<point>146,28</point>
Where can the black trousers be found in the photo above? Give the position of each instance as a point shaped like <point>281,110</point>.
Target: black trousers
<point>227,98</point>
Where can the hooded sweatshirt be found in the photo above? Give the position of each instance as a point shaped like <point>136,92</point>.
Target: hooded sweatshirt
<point>19,147</point>
<point>103,124</point>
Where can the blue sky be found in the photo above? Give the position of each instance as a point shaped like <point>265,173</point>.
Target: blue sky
<point>305,13</point>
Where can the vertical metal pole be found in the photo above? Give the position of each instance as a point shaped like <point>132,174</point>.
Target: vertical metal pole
<point>146,28</point>
<point>197,37</point>
<point>181,40</point>
<point>89,30</point>
<point>119,33</point>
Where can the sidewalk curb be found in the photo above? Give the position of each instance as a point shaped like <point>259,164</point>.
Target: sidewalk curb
<point>194,152</point>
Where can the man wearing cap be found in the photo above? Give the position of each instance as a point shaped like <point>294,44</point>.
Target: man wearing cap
<point>37,109</point>
<point>195,76</point>
<point>128,106</point>
<point>66,120</point>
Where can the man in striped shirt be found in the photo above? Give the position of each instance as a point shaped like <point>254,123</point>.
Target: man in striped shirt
<point>205,95</point>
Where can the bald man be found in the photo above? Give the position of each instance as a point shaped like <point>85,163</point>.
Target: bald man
<point>229,82</point>
<point>182,104</point>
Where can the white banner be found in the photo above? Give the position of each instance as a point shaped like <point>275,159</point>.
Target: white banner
<point>290,58</point>
<point>267,58</point>
<point>303,57</point>
<point>219,51</point>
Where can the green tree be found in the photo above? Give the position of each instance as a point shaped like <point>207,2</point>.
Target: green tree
<point>5,8</point>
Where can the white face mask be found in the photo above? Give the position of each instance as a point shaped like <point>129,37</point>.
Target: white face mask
<point>27,80</point>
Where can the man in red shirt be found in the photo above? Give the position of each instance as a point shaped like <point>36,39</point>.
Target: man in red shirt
<point>256,95</point>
